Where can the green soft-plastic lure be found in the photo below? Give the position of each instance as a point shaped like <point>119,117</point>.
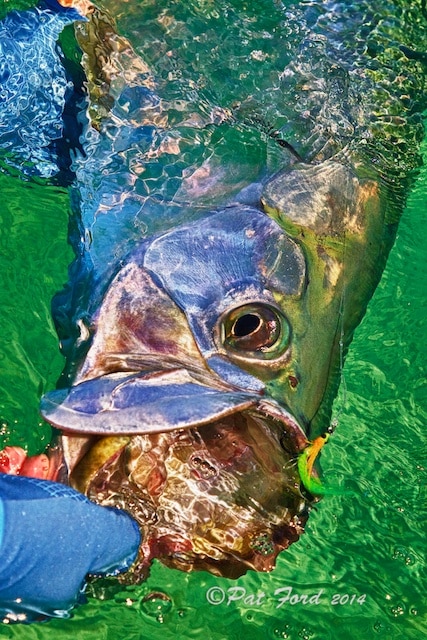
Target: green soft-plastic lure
<point>305,465</point>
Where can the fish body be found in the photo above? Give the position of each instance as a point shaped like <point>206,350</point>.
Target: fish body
<point>215,292</point>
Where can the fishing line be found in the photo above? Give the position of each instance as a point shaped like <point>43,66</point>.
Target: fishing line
<point>265,127</point>
<point>343,384</point>
<point>311,452</point>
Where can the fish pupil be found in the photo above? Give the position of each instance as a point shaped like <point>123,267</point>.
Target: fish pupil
<point>246,324</point>
<point>253,329</point>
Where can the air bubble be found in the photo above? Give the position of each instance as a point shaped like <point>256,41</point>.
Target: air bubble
<point>402,553</point>
<point>4,428</point>
<point>156,604</point>
<point>124,598</point>
<point>397,610</point>
<point>262,544</point>
<point>203,467</point>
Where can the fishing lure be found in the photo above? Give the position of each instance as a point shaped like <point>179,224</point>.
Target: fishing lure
<point>306,460</point>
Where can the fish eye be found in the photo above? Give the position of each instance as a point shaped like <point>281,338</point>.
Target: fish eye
<point>255,330</point>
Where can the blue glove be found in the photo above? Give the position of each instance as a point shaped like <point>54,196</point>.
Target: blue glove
<point>51,537</point>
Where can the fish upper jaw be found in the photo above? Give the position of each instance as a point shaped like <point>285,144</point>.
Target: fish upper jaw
<point>158,402</point>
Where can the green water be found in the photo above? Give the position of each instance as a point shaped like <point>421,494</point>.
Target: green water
<point>361,563</point>
<point>371,543</point>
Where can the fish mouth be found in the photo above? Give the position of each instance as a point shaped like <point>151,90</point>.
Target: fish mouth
<point>208,472</point>
<point>223,497</point>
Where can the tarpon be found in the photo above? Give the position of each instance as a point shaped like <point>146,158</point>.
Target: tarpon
<point>213,298</point>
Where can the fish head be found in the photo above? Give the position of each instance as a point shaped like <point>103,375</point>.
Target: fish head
<point>209,365</point>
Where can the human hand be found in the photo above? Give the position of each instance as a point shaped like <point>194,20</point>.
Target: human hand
<point>52,537</point>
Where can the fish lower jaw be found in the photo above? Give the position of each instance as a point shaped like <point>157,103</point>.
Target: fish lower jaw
<point>223,497</point>
<point>258,552</point>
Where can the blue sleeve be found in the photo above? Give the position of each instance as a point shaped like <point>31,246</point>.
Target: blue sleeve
<point>34,88</point>
<point>52,537</point>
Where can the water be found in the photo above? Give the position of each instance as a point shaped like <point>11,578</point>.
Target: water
<point>359,571</point>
